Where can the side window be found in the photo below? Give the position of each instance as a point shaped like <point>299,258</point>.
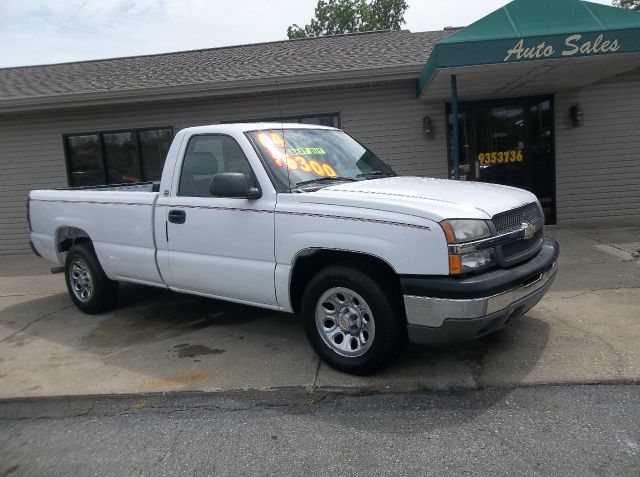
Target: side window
<point>117,157</point>
<point>206,156</point>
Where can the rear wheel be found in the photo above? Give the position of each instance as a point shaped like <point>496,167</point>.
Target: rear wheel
<point>89,287</point>
<point>353,318</point>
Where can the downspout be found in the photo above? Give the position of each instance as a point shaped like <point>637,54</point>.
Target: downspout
<point>456,128</point>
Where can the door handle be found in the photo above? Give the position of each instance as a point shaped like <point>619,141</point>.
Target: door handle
<point>177,216</point>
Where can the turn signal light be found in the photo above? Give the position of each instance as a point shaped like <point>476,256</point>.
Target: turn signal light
<point>448,232</point>
<point>455,264</point>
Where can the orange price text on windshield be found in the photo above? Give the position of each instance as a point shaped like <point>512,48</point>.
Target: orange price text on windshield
<point>275,145</point>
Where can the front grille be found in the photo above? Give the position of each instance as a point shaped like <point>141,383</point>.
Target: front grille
<point>513,250</point>
<point>512,220</point>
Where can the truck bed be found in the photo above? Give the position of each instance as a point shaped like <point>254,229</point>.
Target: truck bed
<point>128,187</point>
<point>118,218</point>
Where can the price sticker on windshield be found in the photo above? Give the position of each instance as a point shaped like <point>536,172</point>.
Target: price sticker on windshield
<point>306,151</point>
<point>293,159</point>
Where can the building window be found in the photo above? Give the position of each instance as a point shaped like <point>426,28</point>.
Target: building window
<point>116,157</point>
<point>329,119</point>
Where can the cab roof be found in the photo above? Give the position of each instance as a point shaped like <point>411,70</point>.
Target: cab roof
<point>246,127</point>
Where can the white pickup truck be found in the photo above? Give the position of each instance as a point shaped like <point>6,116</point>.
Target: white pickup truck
<point>304,219</point>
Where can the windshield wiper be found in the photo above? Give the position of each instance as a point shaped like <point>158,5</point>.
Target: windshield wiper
<point>377,174</point>
<point>325,179</point>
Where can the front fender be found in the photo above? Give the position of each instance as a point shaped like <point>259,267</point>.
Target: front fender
<point>410,247</point>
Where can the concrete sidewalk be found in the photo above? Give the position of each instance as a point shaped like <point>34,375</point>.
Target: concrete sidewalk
<point>587,329</point>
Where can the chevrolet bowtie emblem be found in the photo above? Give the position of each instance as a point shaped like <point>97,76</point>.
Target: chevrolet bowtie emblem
<point>529,230</point>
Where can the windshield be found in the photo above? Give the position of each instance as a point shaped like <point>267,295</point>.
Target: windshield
<point>312,158</point>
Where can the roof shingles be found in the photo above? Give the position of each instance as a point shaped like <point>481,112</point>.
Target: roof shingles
<point>325,55</point>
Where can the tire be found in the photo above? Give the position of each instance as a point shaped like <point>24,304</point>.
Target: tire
<point>367,313</point>
<point>89,287</point>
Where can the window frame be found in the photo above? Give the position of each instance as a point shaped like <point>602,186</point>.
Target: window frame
<point>100,134</point>
<point>253,177</point>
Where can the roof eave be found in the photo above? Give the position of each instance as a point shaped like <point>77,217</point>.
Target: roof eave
<point>261,85</point>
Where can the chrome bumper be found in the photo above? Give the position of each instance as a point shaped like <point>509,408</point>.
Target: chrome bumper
<point>433,312</point>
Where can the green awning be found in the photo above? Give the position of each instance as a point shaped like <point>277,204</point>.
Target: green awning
<point>534,30</point>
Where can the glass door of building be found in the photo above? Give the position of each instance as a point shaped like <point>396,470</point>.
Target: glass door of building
<point>509,142</point>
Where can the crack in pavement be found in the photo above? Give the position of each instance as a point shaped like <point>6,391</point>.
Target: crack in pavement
<point>33,322</point>
<point>575,232</point>
<point>587,292</point>
<point>167,411</point>
<point>9,295</point>
<point>238,404</point>
<point>315,378</point>
<point>619,360</point>
<point>478,371</point>
<point>604,262</point>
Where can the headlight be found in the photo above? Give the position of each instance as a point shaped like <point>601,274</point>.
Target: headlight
<point>464,230</point>
<point>459,231</point>
<point>476,260</point>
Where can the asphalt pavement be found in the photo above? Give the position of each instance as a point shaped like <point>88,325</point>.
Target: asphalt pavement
<point>543,430</point>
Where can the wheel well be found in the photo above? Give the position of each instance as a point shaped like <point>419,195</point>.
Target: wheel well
<point>66,237</point>
<point>310,262</point>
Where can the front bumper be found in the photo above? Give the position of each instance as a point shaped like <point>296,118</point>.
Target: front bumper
<point>442,310</point>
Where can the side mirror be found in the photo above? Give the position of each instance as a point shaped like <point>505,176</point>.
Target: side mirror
<point>233,184</point>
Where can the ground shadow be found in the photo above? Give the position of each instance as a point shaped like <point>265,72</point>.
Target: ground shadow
<point>142,315</point>
<point>146,315</point>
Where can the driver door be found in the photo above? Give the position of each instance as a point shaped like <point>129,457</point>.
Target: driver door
<point>219,246</point>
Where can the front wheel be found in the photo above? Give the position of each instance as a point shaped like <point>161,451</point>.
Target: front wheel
<point>353,318</point>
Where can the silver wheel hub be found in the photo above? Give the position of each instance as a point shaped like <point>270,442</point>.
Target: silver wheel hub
<point>349,320</point>
<point>345,322</point>
<point>81,280</point>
